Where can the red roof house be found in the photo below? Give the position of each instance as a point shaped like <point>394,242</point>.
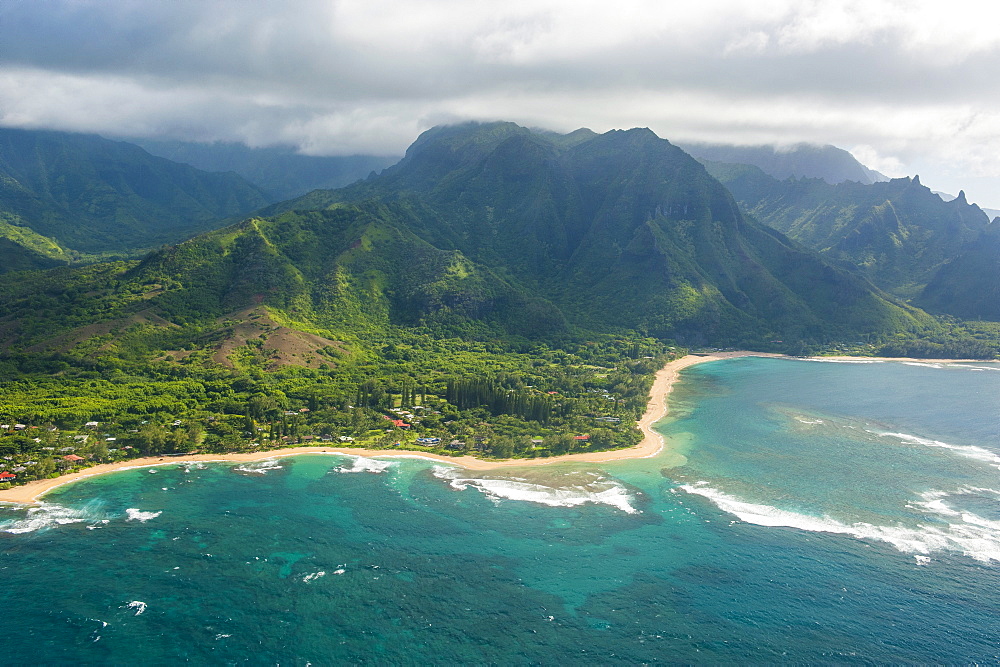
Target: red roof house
<point>6,475</point>
<point>72,457</point>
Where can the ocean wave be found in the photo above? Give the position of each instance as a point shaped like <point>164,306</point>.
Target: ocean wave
<point>259,467</point>
<point>962,532</point>
<point>134,514</point>
<point>45,515</point>
<point>138,605</point>
<point>600,491</point>
<point>968,451</point>
<point>363,464</point>
<point>925,364</point>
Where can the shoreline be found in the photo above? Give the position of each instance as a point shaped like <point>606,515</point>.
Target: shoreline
<point>651,444</point>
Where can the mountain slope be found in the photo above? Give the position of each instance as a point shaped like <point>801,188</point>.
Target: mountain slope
<point>92,195</point>
<point>969,285</point>
<point>621,229</point>
<point>898,233</point>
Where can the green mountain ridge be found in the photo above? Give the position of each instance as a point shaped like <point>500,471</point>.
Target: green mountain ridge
<point>87,195</point>
<point>898,233</point>
<point>621,223</point>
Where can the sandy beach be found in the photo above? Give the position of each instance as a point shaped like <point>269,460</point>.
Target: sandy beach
<point>651,444</point>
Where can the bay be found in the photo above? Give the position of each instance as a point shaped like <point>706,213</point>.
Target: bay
<point>837,512</point>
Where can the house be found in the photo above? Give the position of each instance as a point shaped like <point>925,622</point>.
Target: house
<point>428,441</point>
<point>72,458</point>
<point>19,427</point>
<point>91,424</point>
<point>81,438</point>
<point>581,437</point>
<point>6,476</point>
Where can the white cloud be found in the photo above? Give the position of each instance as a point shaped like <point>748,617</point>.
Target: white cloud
<point>911,81</point>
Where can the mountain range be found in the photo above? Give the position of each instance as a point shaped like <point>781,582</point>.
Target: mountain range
<point>481,231</point>
<point>485,232</point>
<point>65,196</point>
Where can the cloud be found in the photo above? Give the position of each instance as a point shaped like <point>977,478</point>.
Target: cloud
<point>911,80</point>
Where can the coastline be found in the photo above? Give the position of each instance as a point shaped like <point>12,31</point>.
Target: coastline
<point>651,444</point>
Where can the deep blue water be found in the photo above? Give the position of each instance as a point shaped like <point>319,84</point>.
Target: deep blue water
<point>820,512</point>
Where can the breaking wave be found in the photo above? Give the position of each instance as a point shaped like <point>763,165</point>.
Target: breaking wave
<point>134,514</point>
<point>952,529</point>
<point>363,464</point>
<point>600,491</point>
<point>259,467</point>
<point>46,515</point>
<point>968,451</point>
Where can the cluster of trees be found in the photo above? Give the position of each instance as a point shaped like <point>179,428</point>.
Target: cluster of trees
<point>465,393</point>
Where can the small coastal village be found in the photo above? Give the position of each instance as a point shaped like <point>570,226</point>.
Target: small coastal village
<point>30,452</point>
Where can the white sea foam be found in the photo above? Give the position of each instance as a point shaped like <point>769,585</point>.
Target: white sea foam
<point>803,420</point>
<point>43,516</point>
<point>968,451</point>
<point>363,464</point>
<point>138,515</point>
<point>600,491</point>
<point>970,534</point>
<point>925,364</point>
<point>260,467</point>
<point>313,576</point>
<point>138,605</point>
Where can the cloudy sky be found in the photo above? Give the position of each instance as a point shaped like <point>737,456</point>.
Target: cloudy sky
<point>908,87</point>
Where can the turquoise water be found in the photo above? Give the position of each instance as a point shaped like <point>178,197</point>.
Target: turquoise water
<point>835,512</point>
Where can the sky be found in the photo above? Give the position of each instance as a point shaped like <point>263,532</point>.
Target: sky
<point>908,87</point>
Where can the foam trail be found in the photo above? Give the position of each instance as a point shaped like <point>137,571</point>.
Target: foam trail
<point>601,492</point>
<point>971,535</point>
<point>968,451</point>
<point>363,464</point>
<point>138,515</point>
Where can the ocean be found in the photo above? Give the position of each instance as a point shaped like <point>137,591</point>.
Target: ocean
<point>807,511</point>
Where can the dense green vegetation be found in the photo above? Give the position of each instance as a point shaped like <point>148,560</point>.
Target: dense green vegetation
<point>898,233</point>
<point>540,402</point>
<point>71,197</point>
